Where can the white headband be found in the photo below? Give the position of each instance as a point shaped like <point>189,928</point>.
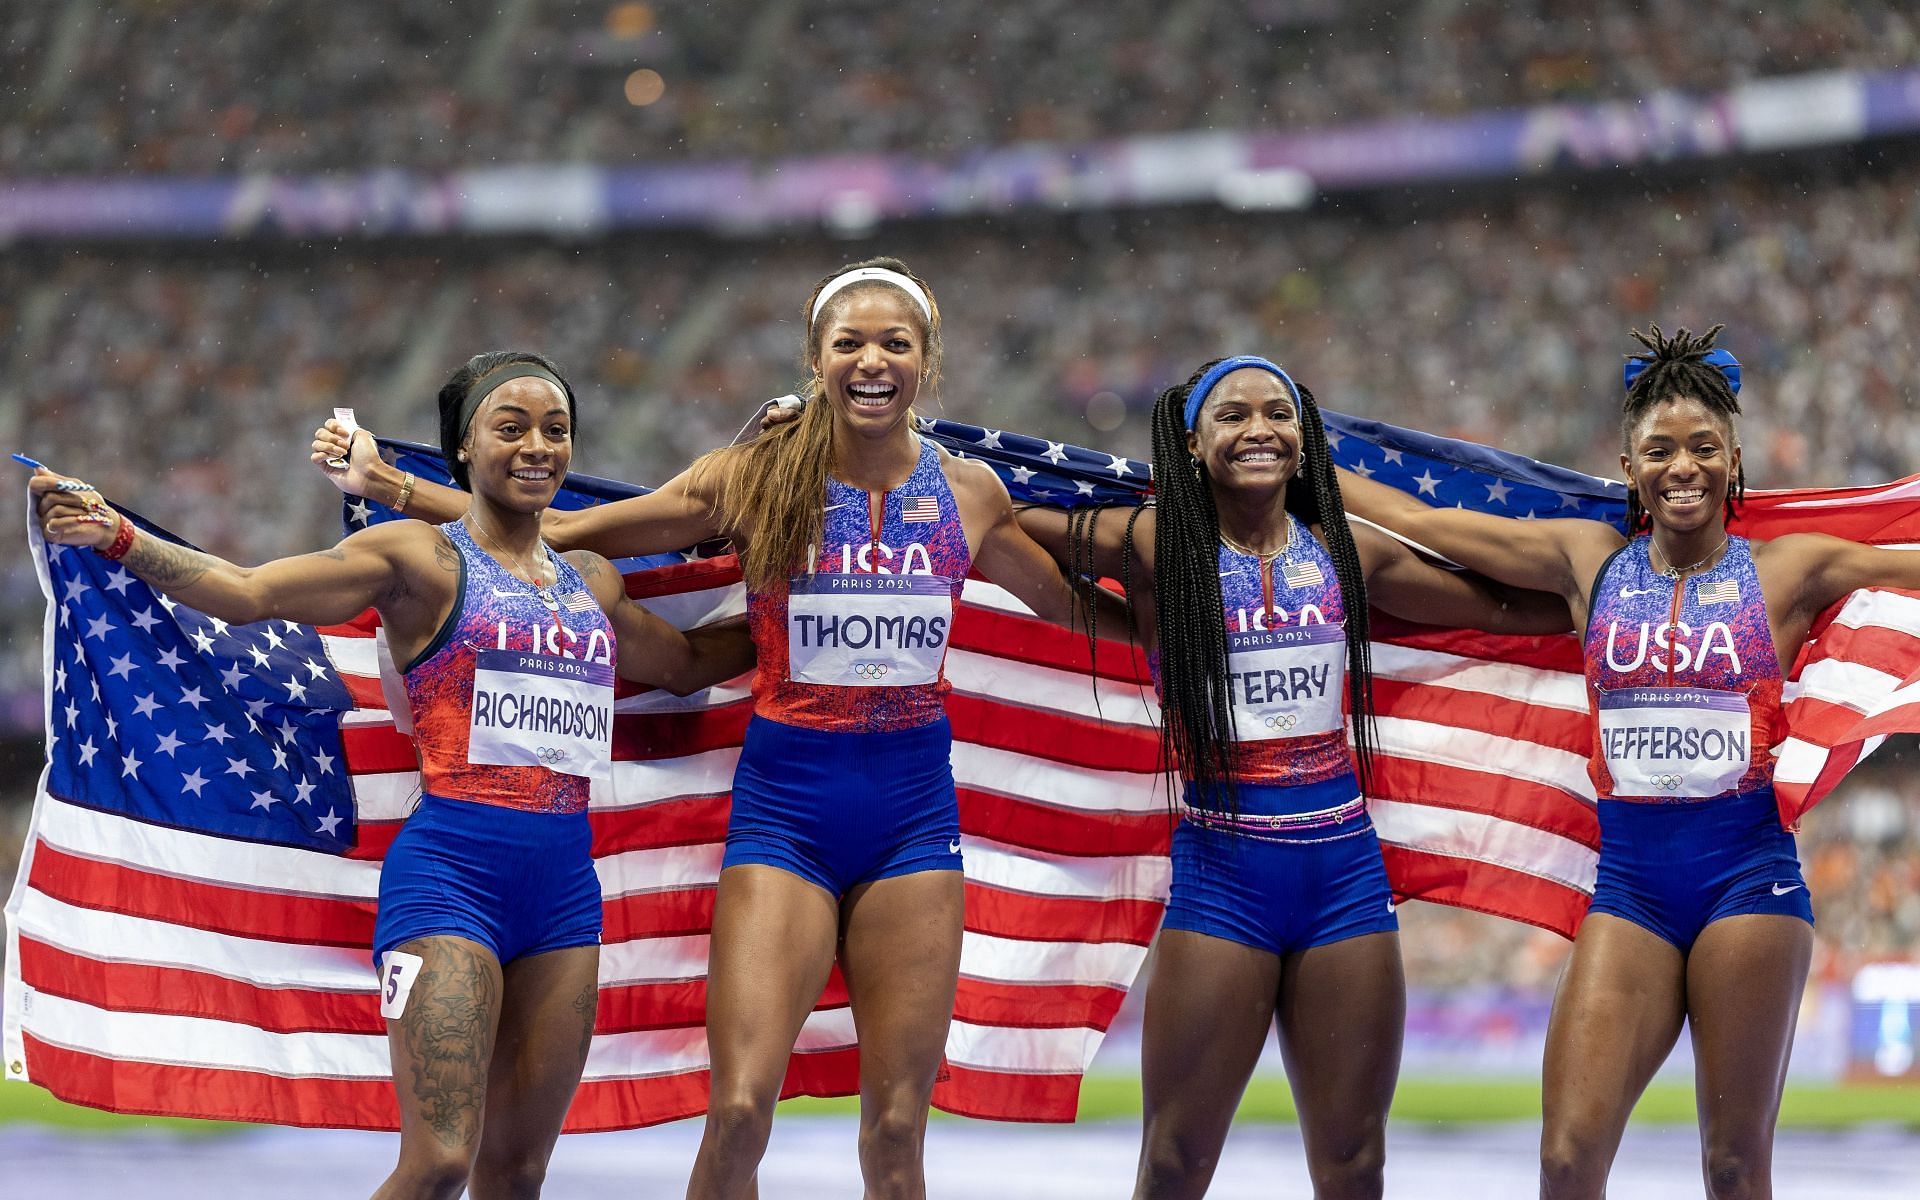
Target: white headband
<point>870,275</point>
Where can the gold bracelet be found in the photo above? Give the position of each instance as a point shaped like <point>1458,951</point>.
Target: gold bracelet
<point>406,493</point>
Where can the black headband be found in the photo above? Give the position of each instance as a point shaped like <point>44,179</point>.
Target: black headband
<point>476,395</point>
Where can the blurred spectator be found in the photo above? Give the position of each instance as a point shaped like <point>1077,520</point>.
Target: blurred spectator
<point>224,86</point>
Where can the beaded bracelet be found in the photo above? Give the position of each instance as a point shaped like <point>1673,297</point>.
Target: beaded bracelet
<point>122,541</point>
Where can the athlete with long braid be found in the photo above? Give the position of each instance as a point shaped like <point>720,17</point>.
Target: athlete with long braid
<point>1700,914</point>
<point>854,535</point>
<point>1249,591</point>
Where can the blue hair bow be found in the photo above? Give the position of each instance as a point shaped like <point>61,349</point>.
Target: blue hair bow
<point>1723,359</point>
<point>1225,367</point>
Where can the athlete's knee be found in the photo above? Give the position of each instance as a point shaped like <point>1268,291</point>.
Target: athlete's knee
<point>1354,1170</point>
<point>1570,1167</point>
<point>1731,1174</point>
<point>739,1123</point>
<point>891,1138</point>
<point>516,1176</point>
<point>1170,1161</point>
<point>436,1171</point>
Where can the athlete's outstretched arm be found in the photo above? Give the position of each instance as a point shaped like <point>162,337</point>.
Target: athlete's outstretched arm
<point>1010,558</point>
<point>1053,527</point>
<point>651,650</point>
<point>325,588</point>
<point>1558,556</point>
<point>678,515</point>
<point>1828,568</point>
<point>1406,585</point>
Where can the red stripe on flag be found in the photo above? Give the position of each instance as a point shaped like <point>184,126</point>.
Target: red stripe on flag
<point>1008,1096</point>
<point>1486,887</point>
<point>1034,825</point>
<point>269,916</point>
<point>1035,1006</point>
<point>210,1093</point>
<point>176,991</point>
<point>1023,916</point>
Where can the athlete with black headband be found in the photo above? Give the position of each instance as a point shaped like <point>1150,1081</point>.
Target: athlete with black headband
<point>854,535</point>
<point>1250,591</point>
<point>1700,913</point>
<point>487,937</point>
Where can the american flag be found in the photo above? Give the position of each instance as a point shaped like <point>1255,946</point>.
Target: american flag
<point>1721,591</point>
<point>915,510</point>
<point>1302,575</point>
<point>179,944</point>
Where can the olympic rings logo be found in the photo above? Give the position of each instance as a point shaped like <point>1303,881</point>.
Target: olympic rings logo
<point>1667,783</point>
<point>1282,722</point>
<point>548,755</point>
<point>871,670</point>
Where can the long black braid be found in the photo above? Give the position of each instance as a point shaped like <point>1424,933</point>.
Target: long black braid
<point>1197,733</point>
<point>1675,367</point>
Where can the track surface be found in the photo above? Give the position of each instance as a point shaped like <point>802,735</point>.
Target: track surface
<point>813,1157</point>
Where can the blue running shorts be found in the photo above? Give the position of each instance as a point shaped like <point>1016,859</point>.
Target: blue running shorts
<point>1288,888</point>
<point>1675,868</point>
<point>519,883</point>
<point>842,809</point>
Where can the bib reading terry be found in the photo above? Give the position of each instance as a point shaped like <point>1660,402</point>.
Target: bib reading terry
<point>1287,683</point>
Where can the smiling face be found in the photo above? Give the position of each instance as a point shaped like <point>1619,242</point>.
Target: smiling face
<point>1680,459</point>
<point>520,444</point>
<point>871,356</point>
<point>1248,432</point>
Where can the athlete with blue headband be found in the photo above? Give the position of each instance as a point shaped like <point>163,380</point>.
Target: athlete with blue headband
<point>1250,590</point>
<point>1700,914</point>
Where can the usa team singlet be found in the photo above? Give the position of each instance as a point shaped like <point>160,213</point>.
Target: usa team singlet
<point>1684,691</point>
<point>1296,862</point>
<point>512,712</point>
<point>846,773</point>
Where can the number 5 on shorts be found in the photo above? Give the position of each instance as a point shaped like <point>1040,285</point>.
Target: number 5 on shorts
<point>398,970</point>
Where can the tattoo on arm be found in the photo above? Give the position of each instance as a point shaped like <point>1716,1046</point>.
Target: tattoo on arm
<point>167,566</point>
<point>446,555</point>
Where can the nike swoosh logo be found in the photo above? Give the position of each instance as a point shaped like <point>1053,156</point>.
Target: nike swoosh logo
<point>1390,907</point>
<point>831,507</point>
<point>1224,574</point>
<point>1627,593</point>
<point>510,594</point>
<point>1792,887</point>
<point>953,847</point>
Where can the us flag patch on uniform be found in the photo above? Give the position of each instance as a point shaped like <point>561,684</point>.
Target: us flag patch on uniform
<point>1302,575</point>
<point>1722,591</point>
<point>579,602</point>
<point>916,509</point>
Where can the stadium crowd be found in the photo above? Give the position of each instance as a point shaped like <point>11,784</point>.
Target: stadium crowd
<point>180,87</point>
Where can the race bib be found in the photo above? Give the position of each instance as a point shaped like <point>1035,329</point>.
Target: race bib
<point>868,630</point>
<point>1680,743</point>
<point>541,710</point>
<point>1287,683</point>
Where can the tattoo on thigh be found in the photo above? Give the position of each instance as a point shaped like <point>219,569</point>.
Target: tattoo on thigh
<point>586,1006</point>
<point>448,1040</point>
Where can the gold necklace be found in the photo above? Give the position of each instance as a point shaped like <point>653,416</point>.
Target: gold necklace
<point>543,590</point>
<point>1673,572</point>
<point>1237,548</point>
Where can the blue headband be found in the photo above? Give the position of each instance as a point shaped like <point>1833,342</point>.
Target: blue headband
<point>1728,364</point>
<point>1225,367</point>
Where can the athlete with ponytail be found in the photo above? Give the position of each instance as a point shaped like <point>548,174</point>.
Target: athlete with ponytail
<point>1249,590</point>
<point>854,535</point>
<point>1700,914</point>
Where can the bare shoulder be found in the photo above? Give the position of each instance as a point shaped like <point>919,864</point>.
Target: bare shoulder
<point>972,481</point>
<point>1798,549</point>
<point>598,574</point>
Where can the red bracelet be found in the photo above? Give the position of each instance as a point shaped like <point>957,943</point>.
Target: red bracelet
<point>122,541</point>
